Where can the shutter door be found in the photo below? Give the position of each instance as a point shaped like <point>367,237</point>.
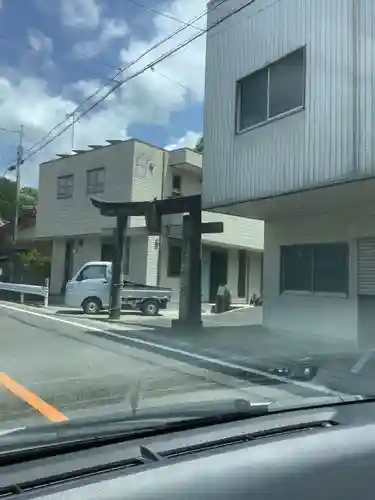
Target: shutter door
<point>366,266</point>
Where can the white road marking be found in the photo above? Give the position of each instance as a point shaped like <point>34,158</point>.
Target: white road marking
<point>11,431</point>
<point>200,357</point>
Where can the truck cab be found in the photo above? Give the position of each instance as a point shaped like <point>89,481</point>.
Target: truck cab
<point>90,287</point>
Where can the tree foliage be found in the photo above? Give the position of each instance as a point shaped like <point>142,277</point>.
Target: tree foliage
<point>199,146</point>
<point>28,198</point>
<point>34,262</point>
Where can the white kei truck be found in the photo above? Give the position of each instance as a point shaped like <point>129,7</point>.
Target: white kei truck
<point>89,289</point>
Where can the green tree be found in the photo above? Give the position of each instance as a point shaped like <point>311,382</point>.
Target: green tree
<point>34,264</point>
<point>27,199</point>
<point>199,146</point>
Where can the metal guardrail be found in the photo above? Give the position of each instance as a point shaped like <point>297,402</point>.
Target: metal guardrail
<point>24,289</point>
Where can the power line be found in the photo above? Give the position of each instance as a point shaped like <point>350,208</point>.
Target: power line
<point>176,82</point>
<point>148,66</point>
<point>10,131</point>
<point>120,71</point>
<point>168,16</point>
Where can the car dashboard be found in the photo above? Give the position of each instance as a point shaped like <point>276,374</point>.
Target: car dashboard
<point>321,453</point>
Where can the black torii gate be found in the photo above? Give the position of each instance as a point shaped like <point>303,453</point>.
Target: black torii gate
<point>192,228</point>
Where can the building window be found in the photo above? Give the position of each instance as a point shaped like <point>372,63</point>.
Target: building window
<point>315,268</point>
<point>95,181</point>
<point>272,91</point>
<point>176,185</point>
<point>174,257</point>
<point>107,252</point>
<point>65,185</point>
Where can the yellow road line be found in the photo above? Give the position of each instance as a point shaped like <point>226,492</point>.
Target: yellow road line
<point>32,399</point>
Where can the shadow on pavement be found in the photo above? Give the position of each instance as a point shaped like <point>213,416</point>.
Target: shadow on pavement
<point>101,315</point>
<point>197,357</point>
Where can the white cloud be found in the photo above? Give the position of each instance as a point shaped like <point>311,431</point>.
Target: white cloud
<point>29,102</point>
<point>155,92</point>
<point>80,13</point>
<point>39,42</point>
<point>149,98</point>
<point>189,140</point>
<point>86,88</point>
<point>111,29</point>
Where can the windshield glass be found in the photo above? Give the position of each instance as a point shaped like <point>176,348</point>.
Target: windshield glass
<point>186,209</point>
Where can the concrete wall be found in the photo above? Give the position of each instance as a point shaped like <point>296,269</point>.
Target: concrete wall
<point>325,314</point>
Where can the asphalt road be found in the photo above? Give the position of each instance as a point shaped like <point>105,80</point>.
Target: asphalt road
<point>52,369</point>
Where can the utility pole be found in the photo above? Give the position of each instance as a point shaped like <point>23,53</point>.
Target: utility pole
<point>117,278</point>
<point>19,162</point>
<point>72,116</point>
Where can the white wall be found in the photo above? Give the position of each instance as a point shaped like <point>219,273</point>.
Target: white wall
<point>147,182</point>
<point>85,250</point>
<point>316,145</point>
<point>240,231</point>
<point>165,280</point>
<point>309,313</point>
<point>152,260</point>
<point>142,265</point>
<point>77,216</point>
<point>138,259</point>
<point>128,177</point>
<point>254,263</point>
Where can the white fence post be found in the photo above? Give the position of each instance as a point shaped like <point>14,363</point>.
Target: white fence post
<point>22,296</point>
<point>46,292</point>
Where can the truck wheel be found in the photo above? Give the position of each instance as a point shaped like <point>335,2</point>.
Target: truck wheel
<point>91,305</point>
<point>150,308</point>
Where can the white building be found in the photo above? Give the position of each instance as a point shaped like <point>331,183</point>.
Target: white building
<point>135,171</point>
<point>290,139</point>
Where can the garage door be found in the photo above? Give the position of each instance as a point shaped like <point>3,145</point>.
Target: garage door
<point>366,266</point>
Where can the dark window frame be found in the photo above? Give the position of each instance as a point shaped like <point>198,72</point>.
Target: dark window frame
<point>65,189</point>
<point>314,270</point>
<point>268,71</point>
<point>174,266</point>
<point>95,186</point>
<point>176,189</point>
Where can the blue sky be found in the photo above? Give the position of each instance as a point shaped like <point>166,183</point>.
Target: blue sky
<point>55,54</point>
